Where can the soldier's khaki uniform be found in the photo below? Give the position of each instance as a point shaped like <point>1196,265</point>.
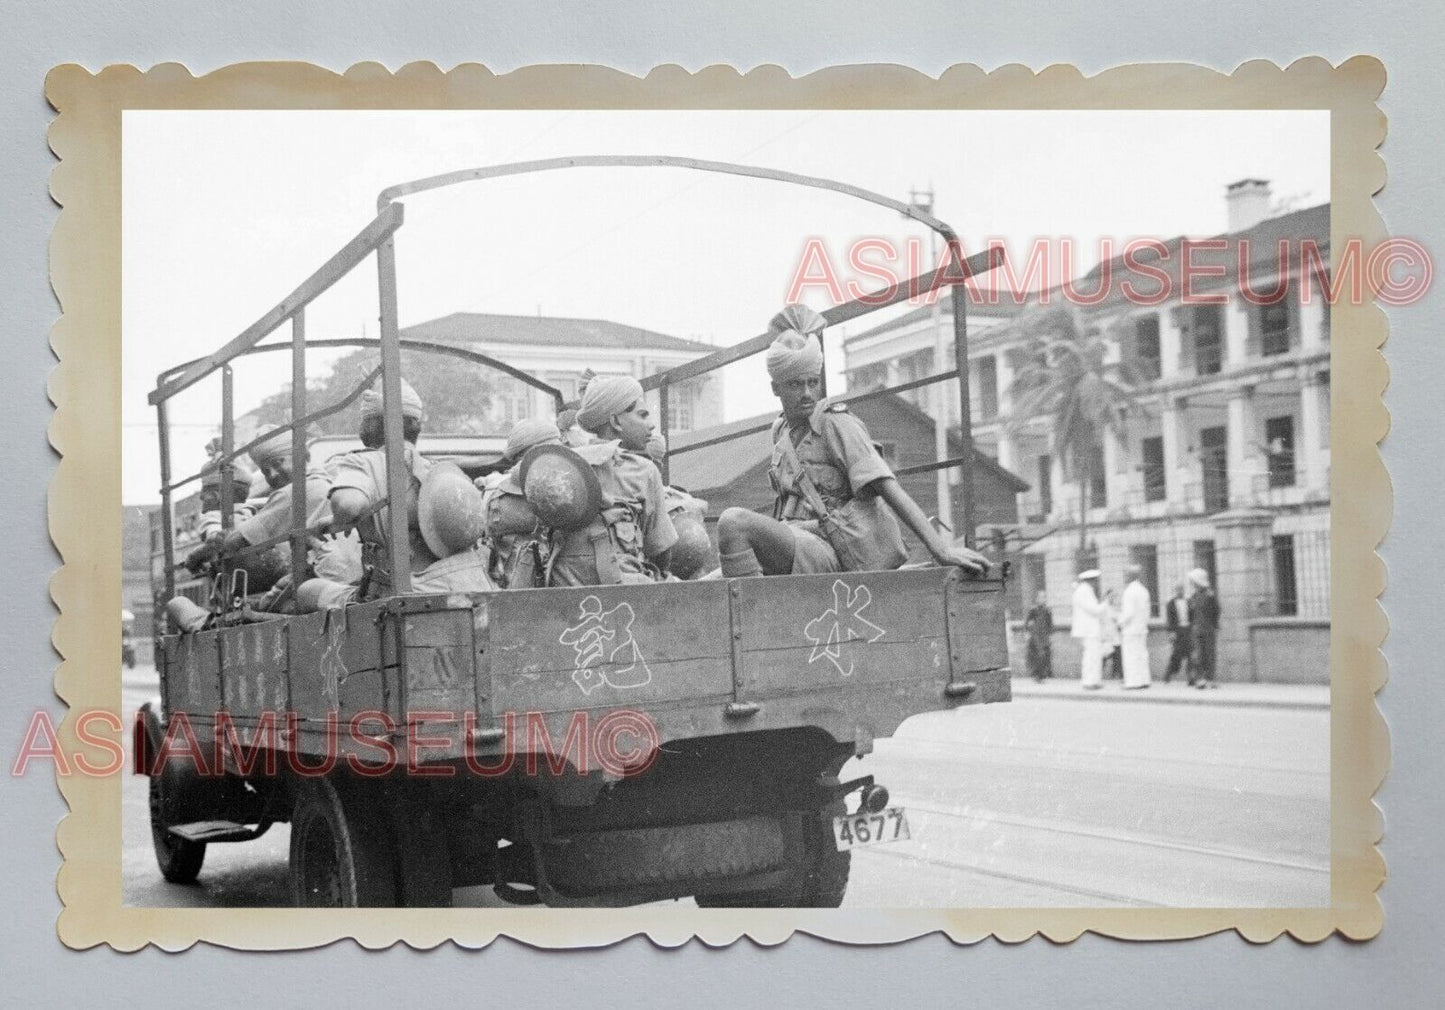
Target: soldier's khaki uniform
<point>633,526</point>
<point>365,471</point>
<point>273,519</point>
<point>464,572</point>
<point>842,461</point>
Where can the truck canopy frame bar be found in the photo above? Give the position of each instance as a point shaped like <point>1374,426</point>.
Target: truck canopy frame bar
<point>378,237</point>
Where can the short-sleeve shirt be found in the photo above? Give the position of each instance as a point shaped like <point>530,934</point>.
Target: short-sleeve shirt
<point>365,471</point>
<point>273,518</point>
<point>838,454</point>
<point>631,480</point>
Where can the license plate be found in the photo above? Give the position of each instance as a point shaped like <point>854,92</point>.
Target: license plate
<point>854,830</point>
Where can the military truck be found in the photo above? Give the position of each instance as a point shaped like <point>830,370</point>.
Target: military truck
<point>593,746</point>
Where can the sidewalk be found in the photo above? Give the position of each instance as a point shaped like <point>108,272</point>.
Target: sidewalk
<point>1295,696</point>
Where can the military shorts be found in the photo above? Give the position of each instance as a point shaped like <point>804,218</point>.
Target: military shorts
<point>812,554</point>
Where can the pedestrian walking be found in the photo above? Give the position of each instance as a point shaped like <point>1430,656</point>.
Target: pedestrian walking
<point>1085,626</point>
<point>1181,642</point>
<point>1134,607</point>
<point>1204,627</point>
<point>1040,626</point>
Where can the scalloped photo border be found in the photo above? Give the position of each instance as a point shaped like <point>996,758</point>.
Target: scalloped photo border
<point>85,267</point>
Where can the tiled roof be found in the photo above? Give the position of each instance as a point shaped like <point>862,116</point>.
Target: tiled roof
<point>546,331</point>
<point>722,465</point>
<point>1311,223</point>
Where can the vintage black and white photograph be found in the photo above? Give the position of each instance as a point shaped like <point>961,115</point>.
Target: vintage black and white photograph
<point>878,509</point>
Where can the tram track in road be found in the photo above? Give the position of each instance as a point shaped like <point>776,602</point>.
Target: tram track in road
<point>1112,836</point>
<point>1046,883</point>
<point>1034,860</point>
<point>943,747</point>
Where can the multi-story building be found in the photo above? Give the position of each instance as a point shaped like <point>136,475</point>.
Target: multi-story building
<point>1224,463</point>
<point>558,350</point>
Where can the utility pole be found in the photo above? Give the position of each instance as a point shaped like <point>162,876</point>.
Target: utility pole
<point>923,200</point>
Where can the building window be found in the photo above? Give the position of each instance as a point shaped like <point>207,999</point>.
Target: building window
<point>915,366</point>
<point>1274,328</point>
<point>1046,486</point>
<point>867,377</point>
<point>1204,558</point>
<point>1098,478</point>
<point>1146,556</point>
<point>564,384</point>
<point>1214,468</point>
<point>1146,347</point>
<point>679,409</point>
<point>1279,441</point>
<point>1151,451</point>
<point>1208,340</point>
<point>1286,593</point>
<point>514,407</point>
<point>987,368</point>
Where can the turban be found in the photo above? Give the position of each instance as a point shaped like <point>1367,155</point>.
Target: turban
<point>410,403</point>
<point>798,318</point>
<point>657,448</point>
<point>276,447</point>
<point>528,432</point>
<point>605,397</point>
<point>793,355</point>
<point>1199,577</point>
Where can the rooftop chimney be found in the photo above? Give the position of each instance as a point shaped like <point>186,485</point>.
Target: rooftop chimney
<point>1248,203</point>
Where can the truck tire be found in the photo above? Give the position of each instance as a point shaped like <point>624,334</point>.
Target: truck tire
<point>342,850</point>
<point>825,874</point>
<point>178,858</point>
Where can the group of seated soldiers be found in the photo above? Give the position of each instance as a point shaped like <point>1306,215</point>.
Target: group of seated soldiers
<point>837,502</point>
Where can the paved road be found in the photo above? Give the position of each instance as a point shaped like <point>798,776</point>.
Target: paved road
<point>1041,802</point>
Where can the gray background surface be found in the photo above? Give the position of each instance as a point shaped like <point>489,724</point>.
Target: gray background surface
<point>1399,968</point>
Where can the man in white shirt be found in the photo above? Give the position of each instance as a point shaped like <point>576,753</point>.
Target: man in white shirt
<point>1086,628</point>
<point>1134,630</point>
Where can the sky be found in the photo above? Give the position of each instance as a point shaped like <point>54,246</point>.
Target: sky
<point>224,213</point>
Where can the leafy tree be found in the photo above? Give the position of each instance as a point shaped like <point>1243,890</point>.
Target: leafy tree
<point>1062,376</point>
<point>458,395</point>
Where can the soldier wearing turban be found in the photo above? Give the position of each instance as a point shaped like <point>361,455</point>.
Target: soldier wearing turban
<point>629,540</point>
<point>511,521</point>
<point>822,458</point>
<point>272,518</point>
<point>360,483</point>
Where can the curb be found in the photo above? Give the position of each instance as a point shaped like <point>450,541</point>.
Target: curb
<point>1221,698</point>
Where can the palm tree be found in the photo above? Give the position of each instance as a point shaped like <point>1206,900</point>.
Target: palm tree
<point>1062,377</point>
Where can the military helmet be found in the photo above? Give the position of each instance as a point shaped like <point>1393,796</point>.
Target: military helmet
<point>449,510</point>
<point>561,486</point>
<point>693,553</point>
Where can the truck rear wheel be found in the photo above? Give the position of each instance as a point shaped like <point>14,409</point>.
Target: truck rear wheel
<point>179,858</point>
<point>342,853</point>
<point>172,787</point>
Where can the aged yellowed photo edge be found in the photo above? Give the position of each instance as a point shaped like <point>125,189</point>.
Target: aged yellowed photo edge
<point>85,388</point>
